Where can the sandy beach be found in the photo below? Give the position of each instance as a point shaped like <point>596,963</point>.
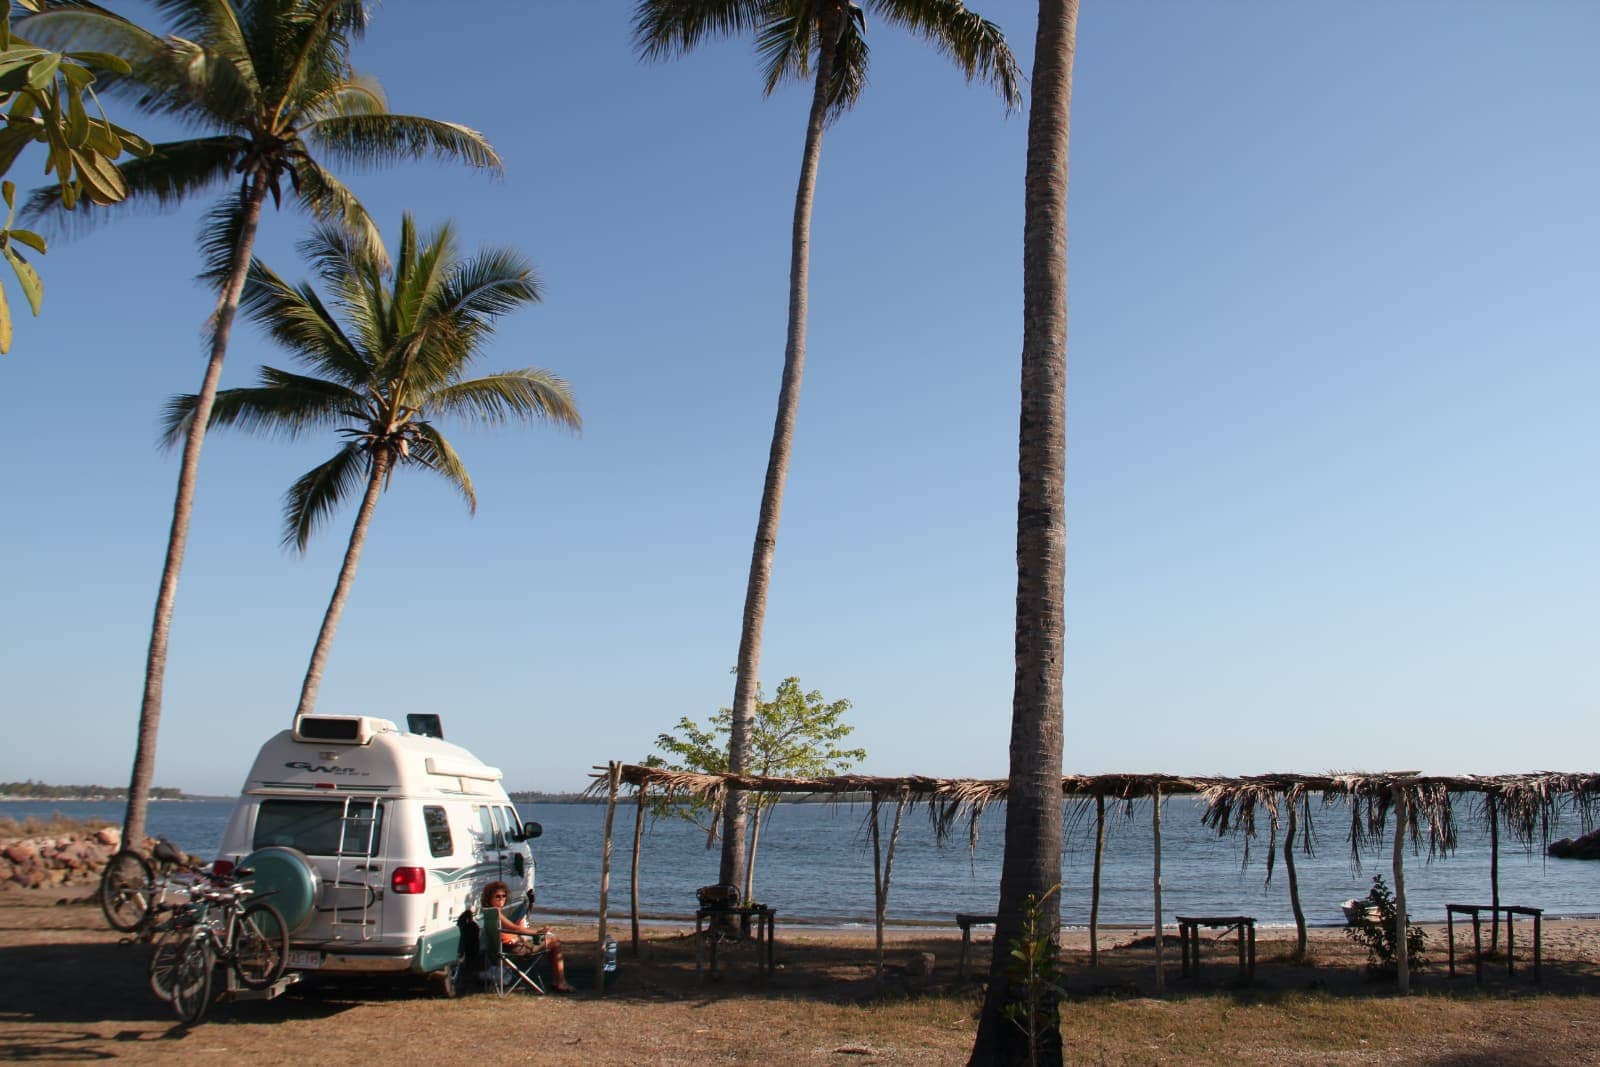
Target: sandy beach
<point>69,991</point>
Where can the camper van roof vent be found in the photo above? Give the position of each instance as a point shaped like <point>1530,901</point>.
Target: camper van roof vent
<point>339,729</point>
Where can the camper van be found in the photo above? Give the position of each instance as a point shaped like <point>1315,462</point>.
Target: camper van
<point>373,840</point>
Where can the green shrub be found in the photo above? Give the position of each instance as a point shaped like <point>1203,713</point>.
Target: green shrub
<point>1374,931</point>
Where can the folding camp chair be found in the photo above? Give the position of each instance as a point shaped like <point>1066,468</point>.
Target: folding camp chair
<point>505,972</point>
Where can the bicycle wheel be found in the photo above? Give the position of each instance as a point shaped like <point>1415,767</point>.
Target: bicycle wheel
<point>191,980</point>
<point>164,961</point>
<point>260,946</point>
<point>125,891</point>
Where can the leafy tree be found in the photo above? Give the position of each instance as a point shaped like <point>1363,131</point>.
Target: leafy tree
<point>42,96</point>
<point>795,735</point>
<point>1032,861</point>
<point>825,41</point>
<point>394,365</point>
<point>270,86</point>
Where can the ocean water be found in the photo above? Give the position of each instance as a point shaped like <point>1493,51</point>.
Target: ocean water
<point>815,862</point>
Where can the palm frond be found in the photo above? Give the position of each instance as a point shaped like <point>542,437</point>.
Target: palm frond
<point>319,491</point>
<point>325,29</point>
<point>358,95</point>
<point>971,41</point>
<point>284,405</point>
<point>171,173</point>
<point>848,77</point>
<point>212,23</point>
<point>296,318</point>
<point>524,395</point>
<point>203,86</point>
<point>326,198</point>
<point>368,140</point>
<point>76,25</point>
<point>220,230</point>
<point>430,449</point>
<point>666,28</point>
<point>784,47</point>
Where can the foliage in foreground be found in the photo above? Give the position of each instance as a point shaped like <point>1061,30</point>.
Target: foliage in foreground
<point>42,97</point>
<point>1373,929</point>
<point>1033,973</point>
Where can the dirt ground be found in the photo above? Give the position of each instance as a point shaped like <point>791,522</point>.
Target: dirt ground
<point>71,992</point>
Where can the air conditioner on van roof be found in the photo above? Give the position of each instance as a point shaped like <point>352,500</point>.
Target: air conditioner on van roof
<point>340,729</point>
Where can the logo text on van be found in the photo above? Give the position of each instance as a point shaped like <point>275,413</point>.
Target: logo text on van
<point>317,768</point>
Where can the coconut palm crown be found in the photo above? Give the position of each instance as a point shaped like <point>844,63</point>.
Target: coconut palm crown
<point>388,358</point>
<point>789,35</point>
<point>268,88</point>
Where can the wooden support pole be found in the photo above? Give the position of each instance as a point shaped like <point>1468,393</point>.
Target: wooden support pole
<point>1494,875</point>
<point>615,776</point>
<point>1094,890</point>
<point>1294,881</point>
<point>877,884</point>
<point>888,867</point>
<point>638,836</point>
<point>1155,824</point>
<point>1402,818</point>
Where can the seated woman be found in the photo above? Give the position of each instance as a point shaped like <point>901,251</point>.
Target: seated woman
<point>496,895</point>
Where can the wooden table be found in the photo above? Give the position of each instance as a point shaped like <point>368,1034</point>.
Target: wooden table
<point>1476,910</point>
<point>967,922</point>
<point>1189,941</point>
<point>764,921</point>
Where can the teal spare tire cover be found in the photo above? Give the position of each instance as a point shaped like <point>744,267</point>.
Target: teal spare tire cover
<point>284,878</point>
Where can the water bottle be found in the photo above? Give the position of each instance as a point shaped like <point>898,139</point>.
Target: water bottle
<point>610,961</point>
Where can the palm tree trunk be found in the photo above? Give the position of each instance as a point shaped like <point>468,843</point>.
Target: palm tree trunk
<point>155,668</point>
<point>747,673</point>
<point>341,588</point>
<point>1032,863</point>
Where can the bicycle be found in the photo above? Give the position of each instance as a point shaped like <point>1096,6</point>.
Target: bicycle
<point>132,891</point>
<point>249,936</point>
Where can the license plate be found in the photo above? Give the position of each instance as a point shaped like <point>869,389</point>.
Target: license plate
<point>304,959</point>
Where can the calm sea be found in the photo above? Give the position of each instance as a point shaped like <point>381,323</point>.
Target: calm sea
<point>816,863</point>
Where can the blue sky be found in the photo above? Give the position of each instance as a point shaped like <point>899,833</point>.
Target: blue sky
<point>1332,446</point>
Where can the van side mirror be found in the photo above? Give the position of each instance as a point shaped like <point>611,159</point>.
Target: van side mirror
<point>531,830</point>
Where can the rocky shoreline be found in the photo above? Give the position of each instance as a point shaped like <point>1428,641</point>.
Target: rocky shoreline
<point>63,859</point>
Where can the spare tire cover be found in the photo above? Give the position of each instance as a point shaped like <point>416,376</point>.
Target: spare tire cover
<point>285,878</point>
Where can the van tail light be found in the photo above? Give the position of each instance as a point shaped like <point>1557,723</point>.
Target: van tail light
<point>221,868</point>
<point>409,879</point>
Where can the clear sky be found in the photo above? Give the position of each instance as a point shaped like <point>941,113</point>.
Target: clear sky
<point>1335,313</point>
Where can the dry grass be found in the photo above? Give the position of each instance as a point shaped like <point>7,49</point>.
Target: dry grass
<point>823,1006</point>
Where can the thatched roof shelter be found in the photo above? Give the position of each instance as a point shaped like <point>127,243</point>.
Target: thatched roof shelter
<point>1526,805</point>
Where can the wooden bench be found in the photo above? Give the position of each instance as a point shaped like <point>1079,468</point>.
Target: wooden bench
<point>967,922</point>
<point>1508,910</point>
<point>704,939</point>
<point>1189,941</point>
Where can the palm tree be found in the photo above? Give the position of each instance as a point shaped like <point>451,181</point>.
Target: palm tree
<point>392,367</point>
<point>1032,863</point>
<point>269,86</point>
<point>824,40</point>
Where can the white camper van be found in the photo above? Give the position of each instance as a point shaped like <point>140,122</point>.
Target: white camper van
<point>373,840</point>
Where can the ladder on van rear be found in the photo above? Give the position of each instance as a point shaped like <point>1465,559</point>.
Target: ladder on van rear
<point>358,830</point>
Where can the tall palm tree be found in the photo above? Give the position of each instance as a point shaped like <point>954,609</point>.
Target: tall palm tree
<point>269,87</point>
<point>389,370</point>
<point>824,40</point>
<point>1032,863</point>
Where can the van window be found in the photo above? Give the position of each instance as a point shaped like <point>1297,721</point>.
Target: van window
<point>513,824</point>
<point>485,826</point>
<point>313,826</point>
<point>438,824</point>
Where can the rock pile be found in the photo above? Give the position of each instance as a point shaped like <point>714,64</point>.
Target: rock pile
<point>65,859</point>
<point>1586,847</point>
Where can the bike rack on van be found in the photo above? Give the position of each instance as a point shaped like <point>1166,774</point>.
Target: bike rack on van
<point>356,822</point>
